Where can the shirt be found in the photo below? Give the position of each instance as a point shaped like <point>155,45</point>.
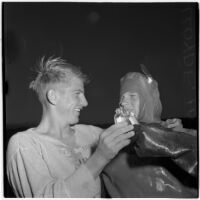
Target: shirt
<point>42,166</point>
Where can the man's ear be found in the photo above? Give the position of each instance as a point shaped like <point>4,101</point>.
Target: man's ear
<point>51,96</point>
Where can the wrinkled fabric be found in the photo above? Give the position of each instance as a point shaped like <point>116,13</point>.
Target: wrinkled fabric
<point>159,162</point>
<point>41,166</point>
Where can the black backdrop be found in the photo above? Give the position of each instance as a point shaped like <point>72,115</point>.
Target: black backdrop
<point>106,40</point>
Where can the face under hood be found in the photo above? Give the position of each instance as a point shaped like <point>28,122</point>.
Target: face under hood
<point>150,106</point>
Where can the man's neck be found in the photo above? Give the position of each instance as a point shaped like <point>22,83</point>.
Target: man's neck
<point>51,125</point>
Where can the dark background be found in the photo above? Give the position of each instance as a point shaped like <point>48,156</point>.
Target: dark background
<point>106,40</point>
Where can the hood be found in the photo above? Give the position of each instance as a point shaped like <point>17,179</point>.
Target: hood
<point>150,104</point>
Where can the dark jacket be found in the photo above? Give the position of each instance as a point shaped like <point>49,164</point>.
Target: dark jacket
<point>159,162</point>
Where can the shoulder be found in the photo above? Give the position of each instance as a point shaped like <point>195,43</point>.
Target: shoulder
<point>20,141</point>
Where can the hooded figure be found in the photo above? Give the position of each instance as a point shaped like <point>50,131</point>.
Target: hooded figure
<point>159,162</point>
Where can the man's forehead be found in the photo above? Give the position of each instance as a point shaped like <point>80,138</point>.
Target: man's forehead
<point>73,84</point>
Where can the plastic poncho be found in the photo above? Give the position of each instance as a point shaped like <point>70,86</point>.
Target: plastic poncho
<point>159,162</point>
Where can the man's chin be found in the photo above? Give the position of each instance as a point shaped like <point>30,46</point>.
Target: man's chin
<point>132,111</point>
<point>74,121</point>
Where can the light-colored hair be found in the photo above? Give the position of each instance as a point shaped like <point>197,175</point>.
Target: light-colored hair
<point>52,71</point>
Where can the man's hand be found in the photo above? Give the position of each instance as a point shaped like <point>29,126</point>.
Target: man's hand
<point>175,124</point>
<point>113,139</point>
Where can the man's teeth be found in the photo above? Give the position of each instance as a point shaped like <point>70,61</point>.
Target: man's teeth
<point>77,109</point>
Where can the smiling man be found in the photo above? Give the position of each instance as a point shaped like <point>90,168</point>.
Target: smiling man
<point>55,159</point>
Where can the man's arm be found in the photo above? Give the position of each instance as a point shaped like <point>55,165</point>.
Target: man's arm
<point>29,175</point>
<point>176,125</point>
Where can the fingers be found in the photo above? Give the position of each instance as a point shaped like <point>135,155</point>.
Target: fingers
<point>123,137</point>
<point>121,141</point>
<point>115,126</point>
<point>119,132</point>
<point>172,120</point>
<point>114,138</point>
<point>172,123</point>
<point>122,144</point>
<point>164,123</point>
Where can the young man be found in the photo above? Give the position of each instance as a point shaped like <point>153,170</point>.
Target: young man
<point>55,159</point>
<point>160,162</point>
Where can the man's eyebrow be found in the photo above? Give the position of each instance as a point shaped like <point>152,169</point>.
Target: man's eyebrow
<point>79,90</point>
<point>133,93</point>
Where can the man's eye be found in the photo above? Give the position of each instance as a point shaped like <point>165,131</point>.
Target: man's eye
<point>77,93</point>
<point>133,97</point>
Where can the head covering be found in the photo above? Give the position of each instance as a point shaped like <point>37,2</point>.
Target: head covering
<point>147,89</point>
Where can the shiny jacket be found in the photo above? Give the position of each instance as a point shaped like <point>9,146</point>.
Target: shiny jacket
<point>159,162</point>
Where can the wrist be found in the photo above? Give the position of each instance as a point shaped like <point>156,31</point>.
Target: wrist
<point>100,158</point>
<point>96,163</point>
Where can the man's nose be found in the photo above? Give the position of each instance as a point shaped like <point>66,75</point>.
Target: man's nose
<point>84,101</point>
<point>123,103</point>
